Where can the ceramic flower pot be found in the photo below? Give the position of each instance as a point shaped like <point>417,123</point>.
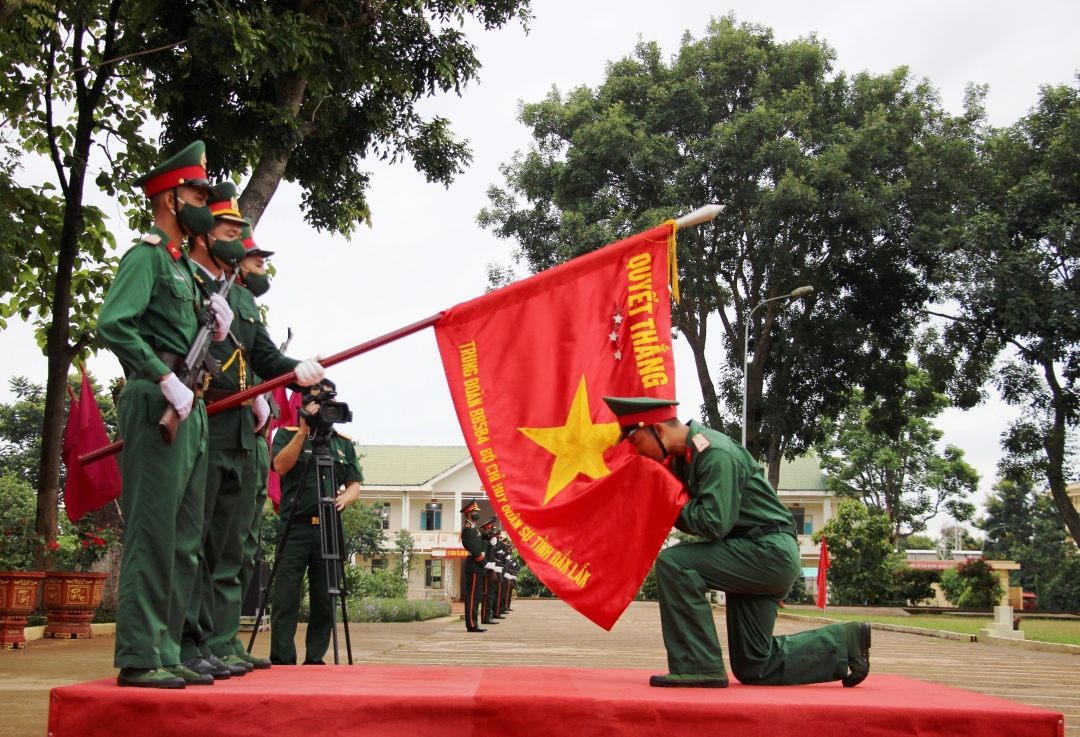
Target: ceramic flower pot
<point>70,600</point>
<point>18,595</point>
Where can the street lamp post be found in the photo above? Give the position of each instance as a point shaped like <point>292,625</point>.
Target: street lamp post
<point>795,294</point>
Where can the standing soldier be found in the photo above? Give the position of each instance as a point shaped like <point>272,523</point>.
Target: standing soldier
<point>510,574</point>
<point>491,582</point>
<point>750,551</point>
<point>149,320</point>
<point>501,557</point>
<point>475,569</point>
<point>207,643</point>
<point>238,561</point>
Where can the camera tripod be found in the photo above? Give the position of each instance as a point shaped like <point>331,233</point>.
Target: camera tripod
<point>331,536</point>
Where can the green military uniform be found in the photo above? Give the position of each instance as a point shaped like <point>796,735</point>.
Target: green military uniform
<point>303,550</point>
<point>213,618</point>
<point>253,534</point>
<point>153,306</point>
<point>473,570</point>
<point>489,608</point>
<point>750,552</point>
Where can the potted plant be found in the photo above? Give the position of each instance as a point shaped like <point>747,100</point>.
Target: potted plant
<point>18,596</point>
<point>18,587</point>
<point>71,596</point>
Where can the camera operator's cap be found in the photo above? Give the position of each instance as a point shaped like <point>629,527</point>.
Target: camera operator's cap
<point>634,413</point>
<point>489,524</point>
<point>470,506</point>
<point>187,167</point>
<point>252,248</point>
<point>223,203</point>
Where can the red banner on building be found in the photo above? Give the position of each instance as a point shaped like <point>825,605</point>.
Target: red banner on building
<point>528,366</point>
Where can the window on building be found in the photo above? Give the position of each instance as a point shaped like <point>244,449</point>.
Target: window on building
<point>800,518</point>
<point>431,517</point>
<point>433,573</point>
<point>808,525</point>
<point>383,510</point>
<point>377,563</point>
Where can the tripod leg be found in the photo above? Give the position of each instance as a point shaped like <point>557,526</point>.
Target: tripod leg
<point>345,619</point>
<point>264,592</point>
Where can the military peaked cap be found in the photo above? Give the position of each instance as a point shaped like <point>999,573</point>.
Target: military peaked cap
<point>187,167</point>
<point>252,248</point>
<point>470,506</point>
<point>224,203</point>
<point>637,412</point>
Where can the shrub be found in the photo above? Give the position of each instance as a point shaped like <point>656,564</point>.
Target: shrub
<point>861,560</point>
<point>915,585</point>
<point>649,591</point>
<point>18,507</point>
<point>380,583</point>
<point>972,585</point>
<point>798,594</point>
<point>396,610</point>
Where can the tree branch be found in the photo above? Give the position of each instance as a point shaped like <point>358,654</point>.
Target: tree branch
<point>54,149</point>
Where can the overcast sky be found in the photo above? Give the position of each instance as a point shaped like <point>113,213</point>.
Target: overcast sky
<point>425,251</point>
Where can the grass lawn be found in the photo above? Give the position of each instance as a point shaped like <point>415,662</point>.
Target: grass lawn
<point>1045,630</point>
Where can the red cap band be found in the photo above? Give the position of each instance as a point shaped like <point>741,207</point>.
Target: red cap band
<point>660,414</point>
<point>225,207</point>
<point>250,244</point>
<point>174,178</point>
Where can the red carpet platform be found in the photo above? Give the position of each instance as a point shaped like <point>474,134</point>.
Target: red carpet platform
<point>402,701</point>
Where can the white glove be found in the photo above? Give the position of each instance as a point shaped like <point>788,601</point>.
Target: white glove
<point>310,371</point>
<point>262,410</point>
<point>498,569</point>
<point>223,314</point>
<point>179,396</point>
<point>510,576</point>
<point>490,566</point>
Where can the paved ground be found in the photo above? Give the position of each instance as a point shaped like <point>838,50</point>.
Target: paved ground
<point>548,633</point>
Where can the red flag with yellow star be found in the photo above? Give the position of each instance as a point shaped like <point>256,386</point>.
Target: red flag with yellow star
<point>528,366</point>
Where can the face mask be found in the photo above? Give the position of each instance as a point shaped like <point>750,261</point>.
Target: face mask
<point>474,516</point>
<point>257,284</point>
<point>197,220</point>
<point>227,251</point>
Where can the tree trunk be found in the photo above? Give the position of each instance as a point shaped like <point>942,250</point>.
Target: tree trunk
<point>692,326</point>
<point>60,353</point>
<point>776,454</point>
<point>289,91</point>
<point>1055,443</point>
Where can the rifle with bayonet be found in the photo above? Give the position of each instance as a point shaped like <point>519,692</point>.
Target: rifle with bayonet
<point>198,362</point>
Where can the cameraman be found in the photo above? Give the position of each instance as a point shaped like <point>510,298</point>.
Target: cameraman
<point>303,548</point>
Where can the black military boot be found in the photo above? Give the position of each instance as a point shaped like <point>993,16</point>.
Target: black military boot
<point>475,629</point>
<point>205,667</point>
<point>858,645</point>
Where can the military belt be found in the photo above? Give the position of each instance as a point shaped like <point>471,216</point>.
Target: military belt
<point>173,362</point>
<point>216,395</point>
<point>753,533</point>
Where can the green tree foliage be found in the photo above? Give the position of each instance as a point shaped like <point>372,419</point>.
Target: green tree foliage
<point>67,89</point>
<point>1024,525</point>
<point>841,182</point>
<point>917,542</point>
<point>798,593</point>
<point>375,584</point>
<point>649,590</point>
<point>972,585</point>
<point>404,543</point>
<point>899,471</point>
<point>1018,287</point>
<point>364,534</point>
<point>861,560</point>
<point>915,585</point>
<point>17,510</point>
<point>1061,589</point>
<point>306,91</point>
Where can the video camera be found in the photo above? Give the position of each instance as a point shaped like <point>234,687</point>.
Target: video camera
<point>329,413</point>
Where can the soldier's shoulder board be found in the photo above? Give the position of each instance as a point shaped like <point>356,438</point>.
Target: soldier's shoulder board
<point>701,443</point>
<point>151,238</point>
<point>292,429</point>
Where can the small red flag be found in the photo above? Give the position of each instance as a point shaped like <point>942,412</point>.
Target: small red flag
<point>90,488</point>
<point>822,573</point>
<point>288,419</point>
<point>528,366</point>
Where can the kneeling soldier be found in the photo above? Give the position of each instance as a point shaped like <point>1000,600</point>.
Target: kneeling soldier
<point>750,551</point>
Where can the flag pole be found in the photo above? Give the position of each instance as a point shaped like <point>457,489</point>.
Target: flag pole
<point>267,386</point>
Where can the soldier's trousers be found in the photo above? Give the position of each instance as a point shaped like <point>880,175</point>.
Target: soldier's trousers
<point>472,593</point>
<point>507,587</point>
<point>491,591</point>
<point>224,491</point>
<point>756,574</point>
<point>302,554</point>
<point>251,535</point>
<point>163,490</point>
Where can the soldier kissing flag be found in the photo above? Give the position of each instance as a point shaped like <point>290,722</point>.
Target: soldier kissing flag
<point>528,366</point>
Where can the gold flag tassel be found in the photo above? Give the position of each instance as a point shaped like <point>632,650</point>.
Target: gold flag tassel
<point>673,260</point>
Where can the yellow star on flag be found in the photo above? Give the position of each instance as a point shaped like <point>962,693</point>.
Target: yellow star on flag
<point>578,445</point>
